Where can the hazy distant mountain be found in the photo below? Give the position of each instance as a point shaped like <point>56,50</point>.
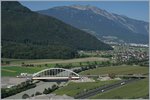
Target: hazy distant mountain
<point>27,34</point>
<point>101,23</point>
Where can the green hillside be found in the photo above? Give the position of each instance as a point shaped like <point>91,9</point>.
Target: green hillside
<point>27,34</point>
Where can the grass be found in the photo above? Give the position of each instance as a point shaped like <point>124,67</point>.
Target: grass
<point>28,61</point>
<point>133,90</point>
<point>122,69</point>
<point>52,62</point>
<point>14,70</point>
<point>73,89</point>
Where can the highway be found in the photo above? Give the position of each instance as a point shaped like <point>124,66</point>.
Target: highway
<point>104,89</point>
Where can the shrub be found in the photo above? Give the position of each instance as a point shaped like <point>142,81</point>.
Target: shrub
<point>112,75</point>
<point>45,91</point>
<point>38,93</point>
<point>25,96</point>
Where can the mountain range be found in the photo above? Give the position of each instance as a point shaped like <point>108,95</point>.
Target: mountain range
<point>101,23</point>
<point>30,35</point>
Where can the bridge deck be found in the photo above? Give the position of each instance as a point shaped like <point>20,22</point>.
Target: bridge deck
<point>56,78</point>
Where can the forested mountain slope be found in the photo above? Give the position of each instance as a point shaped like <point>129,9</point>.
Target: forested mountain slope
<point>27,34</point>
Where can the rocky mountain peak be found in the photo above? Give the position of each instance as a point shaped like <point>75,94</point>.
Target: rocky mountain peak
<point>95,10</point>
<point>83,7</point>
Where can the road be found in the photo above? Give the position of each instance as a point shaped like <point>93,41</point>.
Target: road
<point>104,89</point>
<point>128,76</point>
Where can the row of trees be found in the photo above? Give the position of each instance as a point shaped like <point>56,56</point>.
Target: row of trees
<point>71,65</point>
<point>27,65</point>
<point>5,62</point>
<point>85,65</point>
<point>93,65</point>
<point>5,92</point>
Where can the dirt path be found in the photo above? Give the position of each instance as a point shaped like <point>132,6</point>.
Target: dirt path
<point>9,70</point>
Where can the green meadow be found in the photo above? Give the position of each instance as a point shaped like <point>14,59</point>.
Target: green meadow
<point>133,90</point>
<point>122,69</point>
<point>73,88</point>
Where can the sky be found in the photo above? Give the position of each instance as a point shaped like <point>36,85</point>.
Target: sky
<point>133,9</point>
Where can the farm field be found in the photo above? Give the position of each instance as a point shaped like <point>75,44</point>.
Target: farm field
<point>14,70</point>
<point>9,70</point>
<point>122,69</point>
<point>18,62</point>
<point>73,89</point>
<point>130,91</point>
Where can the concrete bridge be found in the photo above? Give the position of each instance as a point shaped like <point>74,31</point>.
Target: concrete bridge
<point>55,74</point>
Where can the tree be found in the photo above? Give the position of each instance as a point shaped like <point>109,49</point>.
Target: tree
<point>107,63</point>
<point>22,63</point>
<point>45,91</point>
<point>58,82</point>
<point>70,65</point>
<point>50,90</point>
<point>25,96</point>
<point>54,87</point>
<point>2,61</point>
<point>39,66</point>
<point>112,75</point>
<point>38,93</point>
<point>46,65</point>
<point>95,62</point>
<point>80,63</point>
<point>7,62</point>
<point>88,63</point>
<point>4,93</point>
<point>57,65</point>
<point>32,95</point>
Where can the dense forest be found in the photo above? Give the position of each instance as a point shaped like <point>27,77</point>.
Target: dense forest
<point>27,34</point>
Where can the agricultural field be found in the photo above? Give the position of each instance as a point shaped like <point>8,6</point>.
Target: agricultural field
<point>73,89</point>
<point>133,90</point>
<point>15,68</point>
<point>122,69</point>
<point>51,62</point>
<point>13,71</point>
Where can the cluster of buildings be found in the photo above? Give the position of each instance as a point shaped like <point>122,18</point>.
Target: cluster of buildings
<point>131,55</point>
<point>123,53</point>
